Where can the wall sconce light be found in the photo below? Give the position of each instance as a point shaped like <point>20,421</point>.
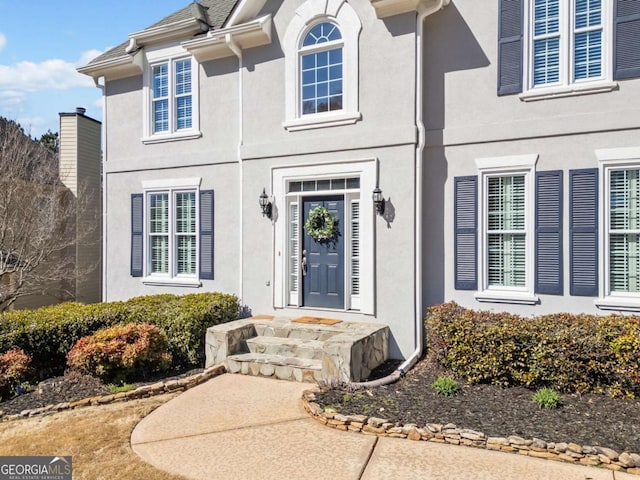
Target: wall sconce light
<point>265,204</point>
<point>378,200</point>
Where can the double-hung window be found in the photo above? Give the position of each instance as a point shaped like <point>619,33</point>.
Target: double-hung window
<point>170,96</point>
<point>172,107</point>
<point>624,231</point>
<point>172,243</point>
<point>495,230</point>
<point>556,48</point>
<point>172,232</point>
<point>506,232</point>
<point>567,42</point>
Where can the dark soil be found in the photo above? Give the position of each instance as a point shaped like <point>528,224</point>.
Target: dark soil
<point>595,420</point>
<point>70,387</point>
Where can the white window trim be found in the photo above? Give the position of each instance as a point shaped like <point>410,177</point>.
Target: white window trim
<point>567,86</point>
<point>367,172</point>
<point>307,15</point>
<point>171,186</point>
<point>501,166</point>
<point>611,159</point>
<point>169,55</point>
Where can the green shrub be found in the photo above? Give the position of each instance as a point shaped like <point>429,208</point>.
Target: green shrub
<point>14,366</point>
<point>122,352</point>
<point>445,386</point>
<point>48,333</point>
<point>547,398</point>
<point>571,353</point>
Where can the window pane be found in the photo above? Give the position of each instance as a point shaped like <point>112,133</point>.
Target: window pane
<point>546,17</point>
<point>588,13</point>
<point>159,254</point>
<point>160,81</point>
<point>322,33</point>
<point>161,115</point>
<point>624,263</point>
<point>546,61</point>
<point>506,260</point>
<point>158,213</point>
<point>294,251</point>
<point>183,77</point>
<point>183,112</point>
<point>588,55</point>
<point>506,203</point>
<point>186,212</point>
<point>319,95</point>
<point>625,200</point>
<point>186,254</point>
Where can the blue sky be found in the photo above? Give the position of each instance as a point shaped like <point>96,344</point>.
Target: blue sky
<point>43,42</point>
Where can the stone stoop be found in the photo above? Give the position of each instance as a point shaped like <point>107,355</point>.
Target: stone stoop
<point>303,350</point>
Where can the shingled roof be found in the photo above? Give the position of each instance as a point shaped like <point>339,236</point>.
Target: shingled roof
<point>212,12</point>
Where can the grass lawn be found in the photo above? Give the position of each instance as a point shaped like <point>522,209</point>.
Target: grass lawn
<point>96,437</point>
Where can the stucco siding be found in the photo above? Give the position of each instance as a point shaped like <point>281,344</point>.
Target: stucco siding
<point>120,186</point>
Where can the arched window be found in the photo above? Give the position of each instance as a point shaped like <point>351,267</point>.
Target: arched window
<point>321,69</point>
<point>321,66</point>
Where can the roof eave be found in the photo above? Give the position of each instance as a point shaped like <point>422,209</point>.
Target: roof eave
<point>245,10</point>
<point>114,68</point>
<point>172,31</point>
<point>218,43</point>
<point>389,8</point>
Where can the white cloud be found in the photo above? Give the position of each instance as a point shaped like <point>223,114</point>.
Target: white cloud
<point>53,74</point>
<point>10,99</point>
<point>32,125</point>
<point>3,41</point>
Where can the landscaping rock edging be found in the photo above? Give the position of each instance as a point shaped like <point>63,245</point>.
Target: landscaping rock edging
<point>144,391</point>
<point>451,434</point>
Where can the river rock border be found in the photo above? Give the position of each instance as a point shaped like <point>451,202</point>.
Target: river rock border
<point>451,434</point>
<point>144,391</point>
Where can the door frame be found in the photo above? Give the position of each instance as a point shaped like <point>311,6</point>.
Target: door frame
<point>285,202</point>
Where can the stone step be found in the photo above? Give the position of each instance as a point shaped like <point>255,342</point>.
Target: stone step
<point>286,347</point>
<point>277,366</point>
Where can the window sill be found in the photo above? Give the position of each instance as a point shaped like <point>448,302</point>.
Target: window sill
<point>321,121</point>
<point>172,282</point>
<point>568,91</point>
<point>627,304</point>
<point>190,135</point>
<point>521,298</point>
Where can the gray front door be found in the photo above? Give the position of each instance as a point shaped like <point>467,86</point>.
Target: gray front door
<point>323,274</point>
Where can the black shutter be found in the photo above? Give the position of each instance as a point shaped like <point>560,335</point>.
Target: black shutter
<point>137,234</point>
<point>626,39</point>
<point>583,232</point>
<point>466,233</point>
<point>510,46</point>
<point>206,234</point>
<point>548,250</point>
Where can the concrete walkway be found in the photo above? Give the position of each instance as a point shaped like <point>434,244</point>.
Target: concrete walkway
<point>243,427</point>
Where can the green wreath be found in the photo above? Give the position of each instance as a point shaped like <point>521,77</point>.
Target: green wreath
<point>321,225</point>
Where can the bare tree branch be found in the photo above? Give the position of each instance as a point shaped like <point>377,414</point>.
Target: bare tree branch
<point>38,227</point>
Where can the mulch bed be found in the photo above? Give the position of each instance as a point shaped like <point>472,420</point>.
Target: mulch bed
<point>594,420</point>
<point>70,387</point>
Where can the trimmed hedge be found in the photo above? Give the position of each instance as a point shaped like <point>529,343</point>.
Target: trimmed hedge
<point>47,334</point>
<point>121,353</point>
<point>570,353</point>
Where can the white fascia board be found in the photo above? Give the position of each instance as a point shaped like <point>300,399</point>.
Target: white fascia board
<point>389,8</point>
<point>112,69</point>
<point>164,33</point>
<point>245,10</point>
<point>216,43</point>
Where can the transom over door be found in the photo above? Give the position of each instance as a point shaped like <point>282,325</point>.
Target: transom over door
<point>323,262</point>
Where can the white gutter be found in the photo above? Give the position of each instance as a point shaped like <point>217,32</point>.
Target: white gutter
<point>233,46</point>
<point>104,188</point>
<point>419,85</point>
<point>419,337</point>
